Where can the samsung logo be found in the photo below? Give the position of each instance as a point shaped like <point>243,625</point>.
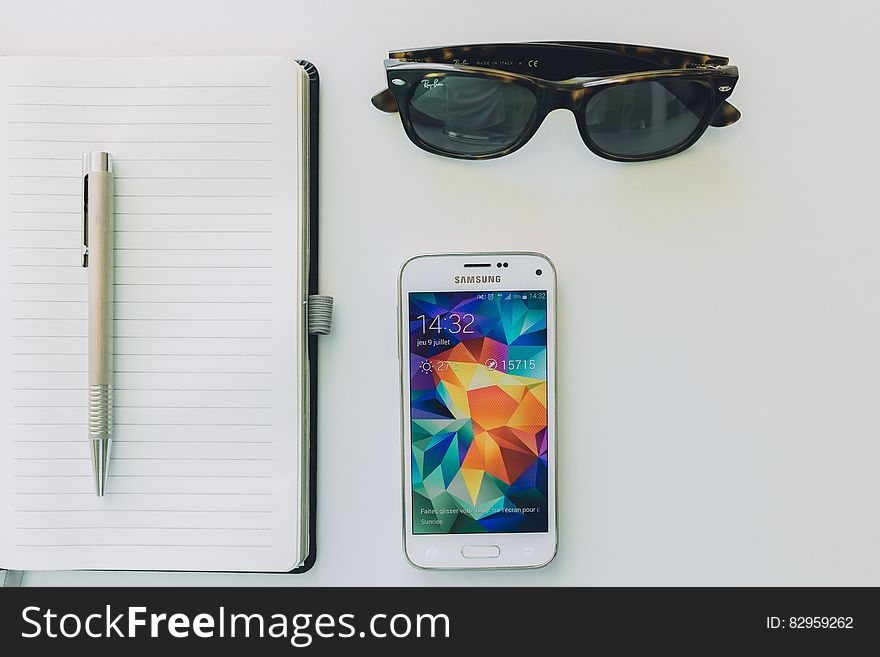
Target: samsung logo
<point>476,279</point>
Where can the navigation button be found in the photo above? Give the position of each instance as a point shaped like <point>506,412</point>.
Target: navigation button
<point>480,551</point>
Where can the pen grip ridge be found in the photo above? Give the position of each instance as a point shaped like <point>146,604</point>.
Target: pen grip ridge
<point>100,411</point>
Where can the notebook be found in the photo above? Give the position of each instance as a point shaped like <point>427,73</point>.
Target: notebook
<point>214,166</point>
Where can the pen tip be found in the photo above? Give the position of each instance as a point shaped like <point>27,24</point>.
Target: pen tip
<point>101,463</point>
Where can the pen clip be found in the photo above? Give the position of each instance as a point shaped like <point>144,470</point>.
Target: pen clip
<point>86,162</point>
<point>95,161</point>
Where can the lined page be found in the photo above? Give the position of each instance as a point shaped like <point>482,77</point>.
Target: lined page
<point>206,458</point>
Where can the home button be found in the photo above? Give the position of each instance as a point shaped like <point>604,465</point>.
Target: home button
<point>480,551</point>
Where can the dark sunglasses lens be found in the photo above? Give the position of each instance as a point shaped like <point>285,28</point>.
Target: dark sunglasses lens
<point>468,115</point>
<point>646,119</point>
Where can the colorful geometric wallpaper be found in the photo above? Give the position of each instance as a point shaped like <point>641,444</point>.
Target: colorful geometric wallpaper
<point>478,390</point>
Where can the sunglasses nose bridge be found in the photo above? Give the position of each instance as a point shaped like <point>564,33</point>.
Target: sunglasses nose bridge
<point>565,98</point>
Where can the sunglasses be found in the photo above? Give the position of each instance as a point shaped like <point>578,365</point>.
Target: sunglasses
<point>631,103</point>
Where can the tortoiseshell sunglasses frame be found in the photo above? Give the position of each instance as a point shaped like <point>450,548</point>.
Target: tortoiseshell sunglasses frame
<point>572,72</point>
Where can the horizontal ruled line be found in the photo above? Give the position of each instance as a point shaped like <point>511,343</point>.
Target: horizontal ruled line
<point>123,353</point>
<point>138,545</point>
<point>189,319</point>
<point>140,86</point>
<point>68,177</point>
<point>141,141</point>
<point>31,265</point>
<point>21,104</point>
<point>158,337</point>
<point>170,231</point>
<point>186,284</point>
<point>237,408</point>
<point>142,319</point>
<point>81,388</point>
<point>147,284</point>
<point>68,195</point>
<point>149,302</point>
<point>41,157</point>
<point>162,249</point>
<point>54,371</point>
<point>192,337</point>
<point>106,123</point>
<point>132,458</point>
<point>184,266</point>
<point>189,528</point>
<point>83,335</point>
<point>189,195</point>
<point>145,159</point>
<point>206,231</point>
<point>45,212</point>
<point>226,178</point>
<point>191,159</point>
<point>141,476</point>
<point>195,214</point>
<point>49,282</point>
<point>154,424</point>
<point>113,494</point>
<point>141,511</point>
<point>31,441</point>
<point>151,424</point>
<point>236,249</point>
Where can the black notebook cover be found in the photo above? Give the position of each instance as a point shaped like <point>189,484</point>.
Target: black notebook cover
<point>312,71</point>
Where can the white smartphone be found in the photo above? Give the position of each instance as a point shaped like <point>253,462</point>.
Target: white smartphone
<point>478,383</point>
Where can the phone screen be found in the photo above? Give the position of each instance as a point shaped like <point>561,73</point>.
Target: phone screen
<point>478,407</point>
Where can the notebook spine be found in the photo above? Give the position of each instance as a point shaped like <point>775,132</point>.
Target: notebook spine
<point>312,71</point>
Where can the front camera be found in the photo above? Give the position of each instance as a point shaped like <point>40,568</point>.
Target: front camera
<point>538,272</point>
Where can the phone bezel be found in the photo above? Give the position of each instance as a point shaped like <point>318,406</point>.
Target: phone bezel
<point>435,273</point>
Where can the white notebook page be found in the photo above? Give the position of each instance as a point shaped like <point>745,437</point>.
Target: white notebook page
<point>205,468</point>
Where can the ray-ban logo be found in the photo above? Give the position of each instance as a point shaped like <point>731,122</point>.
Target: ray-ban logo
<point>476,279</point>
<point>430,84</point>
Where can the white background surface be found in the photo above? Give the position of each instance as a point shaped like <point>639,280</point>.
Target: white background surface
<point>719,319</point>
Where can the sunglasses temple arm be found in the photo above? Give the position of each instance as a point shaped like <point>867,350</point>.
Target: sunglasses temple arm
<point>725,115</point>
<point>384,100</point>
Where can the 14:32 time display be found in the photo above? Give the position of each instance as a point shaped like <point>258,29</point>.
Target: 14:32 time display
<point>457,323</point>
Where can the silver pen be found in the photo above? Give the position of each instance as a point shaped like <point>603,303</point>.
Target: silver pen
<point>97,256</point>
